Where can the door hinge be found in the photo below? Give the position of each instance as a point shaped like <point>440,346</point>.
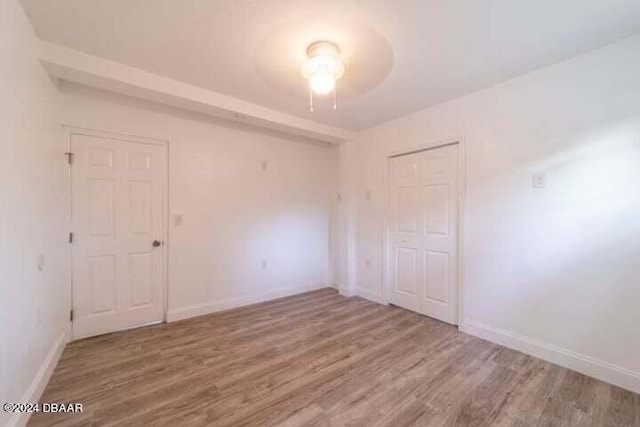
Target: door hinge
<point>71,315</point>
<point>70,237</point>
<point>69,158</point>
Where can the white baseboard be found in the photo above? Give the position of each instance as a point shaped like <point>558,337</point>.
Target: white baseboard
<point>180,313</point>
<point>604,371</point>
<point>40,381</point>
<point>346,292</point>
<point>370,295</point>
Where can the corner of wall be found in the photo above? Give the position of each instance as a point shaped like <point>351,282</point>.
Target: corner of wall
<point>347,219</point>
<point>371,296</point>
<point>39,382</point>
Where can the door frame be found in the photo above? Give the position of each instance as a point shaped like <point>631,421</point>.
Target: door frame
<point>77,130</point>
<point>462,195</point>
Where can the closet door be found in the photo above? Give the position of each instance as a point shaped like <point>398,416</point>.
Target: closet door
<point>423,232</point>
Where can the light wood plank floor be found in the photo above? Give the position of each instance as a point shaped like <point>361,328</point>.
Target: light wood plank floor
<point>321,359</point>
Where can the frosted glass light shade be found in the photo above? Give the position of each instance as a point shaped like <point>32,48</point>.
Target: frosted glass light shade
<point>322,82</point>
<point>323,67</point>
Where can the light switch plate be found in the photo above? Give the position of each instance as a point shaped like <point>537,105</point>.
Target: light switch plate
<point>539,180</point>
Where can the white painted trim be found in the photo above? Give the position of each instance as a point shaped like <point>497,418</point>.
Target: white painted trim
<point>72,65</point>
<point>39,382</point>
<point>164,144</point>
<point>462,200</point>
<point>424,147</point>
<point>180,313</point>
<point>370,295</point>
<point>79,130</point>
<point>461,142</point>
<point>346,292</point>
<point>604,371</point>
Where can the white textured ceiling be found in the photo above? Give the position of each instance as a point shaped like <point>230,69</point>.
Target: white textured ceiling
<point>439,49</point>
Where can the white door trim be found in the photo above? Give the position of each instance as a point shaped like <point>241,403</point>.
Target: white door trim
<point>76,130</point>
<point>462,195</point>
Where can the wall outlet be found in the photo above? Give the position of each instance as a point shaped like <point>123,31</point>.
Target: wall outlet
<point>367,195</point>
<point>265,166</point>
<point>177,220</point>
<point>539,180</point>
<point>367,263</point>
<point>264,264</point>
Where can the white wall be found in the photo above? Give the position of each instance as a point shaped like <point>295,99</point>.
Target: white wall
<point>34,304</point>
<point>553,271</point>
<point>235,214</point>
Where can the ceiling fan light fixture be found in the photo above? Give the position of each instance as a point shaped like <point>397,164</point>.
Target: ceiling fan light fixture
<point>323,68</point>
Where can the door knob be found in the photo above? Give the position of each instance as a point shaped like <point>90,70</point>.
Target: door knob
<point>156,243</point>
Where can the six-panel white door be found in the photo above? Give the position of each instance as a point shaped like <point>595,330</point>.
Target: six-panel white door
<point>117,199</point>
<point>423,232</point>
